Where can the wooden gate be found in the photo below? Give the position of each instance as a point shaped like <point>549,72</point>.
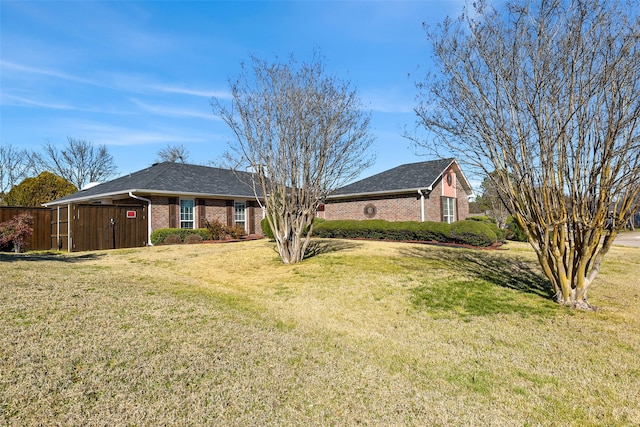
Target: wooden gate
<point>95,227</point>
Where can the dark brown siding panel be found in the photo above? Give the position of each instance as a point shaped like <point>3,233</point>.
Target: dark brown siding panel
<point>97,227</point>
<point>41,238</point>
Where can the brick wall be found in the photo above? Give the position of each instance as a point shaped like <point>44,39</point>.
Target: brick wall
<point>462,204</point>
<point>398,208</point>
<point>214,209</point>
<point>402,207</point>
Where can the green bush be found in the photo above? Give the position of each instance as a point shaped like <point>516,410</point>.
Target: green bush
<point>476,233</point>
<point>158,236</point>
<point>268,232</point>
<point>266,228</point>
<point>501,234</point>
<point>514,232</point>
<point>381,229</point>
<point>473,233</point>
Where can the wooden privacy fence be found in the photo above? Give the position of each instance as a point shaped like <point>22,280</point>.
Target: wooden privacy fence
<point>41,238</point>
<point>76,228</point>
<point>95,227</point>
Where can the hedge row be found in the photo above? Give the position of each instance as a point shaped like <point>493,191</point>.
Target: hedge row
<point>158,236</point>
<point>476,233</point>
<point>266,228</point>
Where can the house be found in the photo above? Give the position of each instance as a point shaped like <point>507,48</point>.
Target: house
<point>179,195</point>
<point>426,191</point>
<point>123,212</point>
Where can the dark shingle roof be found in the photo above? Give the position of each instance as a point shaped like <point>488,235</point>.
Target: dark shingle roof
<point>411,176</point>
<point>170,178</point>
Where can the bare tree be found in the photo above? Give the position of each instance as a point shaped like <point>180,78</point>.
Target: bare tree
<point>79,162</point>
<point>303,133</point>
<point>173,154</point>
<point>546,93</point>
<point>14,167</point>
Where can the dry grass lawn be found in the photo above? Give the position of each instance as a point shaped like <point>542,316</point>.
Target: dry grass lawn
<point>362,333</point>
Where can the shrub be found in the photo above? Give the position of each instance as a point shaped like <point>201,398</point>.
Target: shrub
<point>15,232</point>
<point>381,229</point>
<point>193,238</point>
<point>482,218</point>
<point>172,239</point>
<point>501,234</point>
<point>433,231</point>
<point>514,232</point>
<point>159,236</point>
<point>235,232</point>
<point>473,233</point>
<point>268,232</point>
<point>216,229</point>
<point>337,229</point>
<point>266,228</point>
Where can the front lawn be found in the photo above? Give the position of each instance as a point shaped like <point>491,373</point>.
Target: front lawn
<point>372,333</point>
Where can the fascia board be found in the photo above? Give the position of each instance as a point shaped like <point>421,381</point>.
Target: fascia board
<point>377,193</point>
<point>84,198</point>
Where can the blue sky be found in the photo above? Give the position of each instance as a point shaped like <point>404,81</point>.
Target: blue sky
<point>138,76</point>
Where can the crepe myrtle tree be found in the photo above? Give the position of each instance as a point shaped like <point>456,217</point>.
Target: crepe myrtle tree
<point>303,132</point>
<point>543,97</point>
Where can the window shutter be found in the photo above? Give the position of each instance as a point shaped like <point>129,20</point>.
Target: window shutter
<point>251,218</point>
<point>230,214</point>
<point>173,212</point>
<point>201,213</point>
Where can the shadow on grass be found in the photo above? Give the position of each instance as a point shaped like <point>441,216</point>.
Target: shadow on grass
<point>319,247</point>
<point>49,256</point>
<point>487,290</point>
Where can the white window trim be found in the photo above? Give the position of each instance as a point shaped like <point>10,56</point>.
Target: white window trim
<point>193,213</point>
<point>235,220</point>
<point>453,209</point>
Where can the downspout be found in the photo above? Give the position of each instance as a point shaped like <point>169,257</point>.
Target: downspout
<point>69,237</point>
<point>58,230</point>
<point>421,192</point>
<point>133,196</point>
<point>421,205</point>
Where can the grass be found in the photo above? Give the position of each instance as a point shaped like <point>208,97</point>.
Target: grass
<point>371,333</point>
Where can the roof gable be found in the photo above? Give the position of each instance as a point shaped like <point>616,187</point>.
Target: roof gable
<point>407,177</point>
<point>170,178</point>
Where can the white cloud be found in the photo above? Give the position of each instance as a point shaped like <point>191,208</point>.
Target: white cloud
<point>6,99</point>
<point>11,66</point>
<point>122,136</point>
<point>174,111</point>
<point>189,91</point>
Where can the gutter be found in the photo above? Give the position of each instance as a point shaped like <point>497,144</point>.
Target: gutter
<point>133,196</point>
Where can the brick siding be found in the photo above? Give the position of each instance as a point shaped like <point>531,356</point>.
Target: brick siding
<point>214,209</point>
<point>397,207</point>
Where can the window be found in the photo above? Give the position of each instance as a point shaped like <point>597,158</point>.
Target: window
<point>186,214</point>
<point>448,209</point>
<point>240,214</point>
